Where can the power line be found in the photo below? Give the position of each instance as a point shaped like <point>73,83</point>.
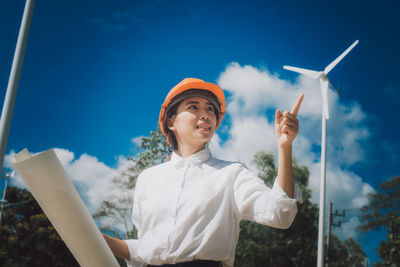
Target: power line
<point>10,205</point>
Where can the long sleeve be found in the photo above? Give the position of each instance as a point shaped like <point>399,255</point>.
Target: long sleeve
<point>257,202</point>
<point>188,209</point>
<point>133,252</point>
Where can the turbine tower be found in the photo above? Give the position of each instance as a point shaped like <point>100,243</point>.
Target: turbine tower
<point>324,83</point>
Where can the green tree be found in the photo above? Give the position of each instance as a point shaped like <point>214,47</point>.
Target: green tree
<point>115,211</point>
<point>389,250</point>
<point>355,255</point>
<point>26,236</point>
<point>344,254</point>
<point>265,246</point>
<point>383,211</point>
<point>297,246</point>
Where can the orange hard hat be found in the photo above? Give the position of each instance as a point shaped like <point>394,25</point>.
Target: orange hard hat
<point>188,84</point>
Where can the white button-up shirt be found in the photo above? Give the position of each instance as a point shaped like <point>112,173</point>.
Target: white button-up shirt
<point>190,208</point>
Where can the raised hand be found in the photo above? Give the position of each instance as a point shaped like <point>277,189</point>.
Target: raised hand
<point>287,125</point>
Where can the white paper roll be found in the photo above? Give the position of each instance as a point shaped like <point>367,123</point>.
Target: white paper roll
<point>53,190</point>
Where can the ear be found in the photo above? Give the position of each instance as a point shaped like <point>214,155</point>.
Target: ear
<point>170,123</point>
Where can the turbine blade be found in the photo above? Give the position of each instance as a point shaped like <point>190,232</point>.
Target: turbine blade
<point>310,73</point>
<point>336,61</point>
<point>324,91</point>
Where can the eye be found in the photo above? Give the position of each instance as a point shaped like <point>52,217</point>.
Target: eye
<point>210,108</point>
<point>192,107</point>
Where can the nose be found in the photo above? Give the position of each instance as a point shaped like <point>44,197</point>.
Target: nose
<point>204,115</point>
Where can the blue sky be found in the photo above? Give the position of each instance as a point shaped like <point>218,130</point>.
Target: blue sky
<point>96,72</point>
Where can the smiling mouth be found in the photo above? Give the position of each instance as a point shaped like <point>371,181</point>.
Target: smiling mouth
<point>204,127</point>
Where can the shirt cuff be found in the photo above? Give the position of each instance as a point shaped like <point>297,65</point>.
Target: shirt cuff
<point>133,253</point>
<point>297,193</point>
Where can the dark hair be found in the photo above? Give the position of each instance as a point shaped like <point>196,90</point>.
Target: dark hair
<point>170,136</point>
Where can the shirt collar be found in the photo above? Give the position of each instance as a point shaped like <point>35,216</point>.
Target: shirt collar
<point>197,158</point>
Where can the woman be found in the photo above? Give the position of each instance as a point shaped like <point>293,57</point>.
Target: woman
<point>187,210</point>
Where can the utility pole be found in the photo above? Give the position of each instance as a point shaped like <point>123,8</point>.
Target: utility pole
<point>3,200</point>
<point>330,224</point>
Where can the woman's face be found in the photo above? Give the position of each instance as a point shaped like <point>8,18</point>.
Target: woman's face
<point>194,122</point>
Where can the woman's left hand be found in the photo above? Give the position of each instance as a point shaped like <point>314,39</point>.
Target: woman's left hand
<point>287,125</point>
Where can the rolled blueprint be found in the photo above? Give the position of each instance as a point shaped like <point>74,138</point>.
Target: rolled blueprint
<point>53,190</point>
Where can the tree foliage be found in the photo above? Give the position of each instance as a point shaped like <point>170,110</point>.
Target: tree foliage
<point>383,211</point>
<point>115,212</point>
<point>383,207</point>
<point>26,236</point>
<point>265,246</point>
<point>346,253</point>
<point>389,250</point>
<point>153,148</point>
<point>297,246</point>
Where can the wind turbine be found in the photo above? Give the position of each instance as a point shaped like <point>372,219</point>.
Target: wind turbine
<point>323,78</point>
<point>324,83</point>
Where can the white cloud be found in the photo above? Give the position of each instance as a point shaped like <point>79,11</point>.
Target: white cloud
<point>253,89</point>
<point>16,180</point>
<point>247,135</point>
<point>344,188</point>
<point>347,228</point>
<point>255,93</point>
<point>137,140</point>
<point>91,177</point>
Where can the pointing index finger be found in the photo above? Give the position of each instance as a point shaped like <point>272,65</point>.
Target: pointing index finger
<point>296,106</point>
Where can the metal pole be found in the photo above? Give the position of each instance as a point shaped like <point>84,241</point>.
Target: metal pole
<point>6,176</point>
<point>320,259</point>
<point>8,107</point>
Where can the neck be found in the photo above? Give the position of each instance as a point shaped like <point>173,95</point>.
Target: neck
<point>185,150</point>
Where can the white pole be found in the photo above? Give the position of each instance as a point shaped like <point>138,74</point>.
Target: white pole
<point>321,248</point>
<point>8,107</point>
<point>328,235</point>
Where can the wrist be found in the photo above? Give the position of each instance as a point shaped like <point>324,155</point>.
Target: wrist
<point>285,148</point>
